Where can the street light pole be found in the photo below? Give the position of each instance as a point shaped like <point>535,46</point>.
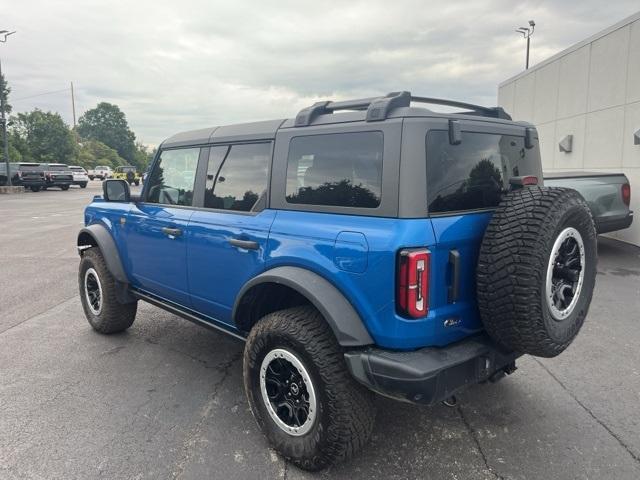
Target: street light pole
<point>4,34</point>
<point>526,33</point>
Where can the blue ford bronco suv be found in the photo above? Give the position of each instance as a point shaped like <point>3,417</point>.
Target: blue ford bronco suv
<point>371,245</point>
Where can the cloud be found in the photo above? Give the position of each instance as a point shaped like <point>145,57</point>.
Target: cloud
<point>173,66</point>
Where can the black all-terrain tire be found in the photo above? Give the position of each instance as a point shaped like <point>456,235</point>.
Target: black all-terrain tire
<point>345,412</point>
<point>35,189</point>
<point>514,262</point>
<point>137,182</point>
<point>113,316</point>
<point>64,187</point>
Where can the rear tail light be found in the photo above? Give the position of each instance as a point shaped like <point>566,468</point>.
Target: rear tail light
<point>626,194</point>
<point>413,282</point>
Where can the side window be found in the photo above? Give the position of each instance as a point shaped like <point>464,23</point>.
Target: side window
<point>343,169</point>
<point>237,177</point>
<point>172,178</point>
<point>470,175</point>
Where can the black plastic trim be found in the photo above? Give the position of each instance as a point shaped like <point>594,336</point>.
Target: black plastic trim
<point>431,374</point>
<point>187,314</point>
<point>108,248</point>
<point>334,307</point>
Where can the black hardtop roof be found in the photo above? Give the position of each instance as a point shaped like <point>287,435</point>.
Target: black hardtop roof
<point>392,105</point>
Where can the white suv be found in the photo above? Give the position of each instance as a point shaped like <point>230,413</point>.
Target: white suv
<point>80,176</point>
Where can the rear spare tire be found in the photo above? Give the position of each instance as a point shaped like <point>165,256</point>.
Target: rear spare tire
<point>537,270</point>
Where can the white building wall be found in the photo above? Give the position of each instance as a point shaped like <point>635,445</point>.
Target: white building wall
<point>590,91</point>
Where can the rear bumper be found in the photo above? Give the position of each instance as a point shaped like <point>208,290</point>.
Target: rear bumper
<point>431,374</point>
<point>59,182</point>
<point>28,182</point>
<point>620,222</point>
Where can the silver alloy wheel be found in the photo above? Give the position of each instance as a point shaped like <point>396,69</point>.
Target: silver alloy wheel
<point>93,291</point>
<point>565,273</point>
<point>287,392</point>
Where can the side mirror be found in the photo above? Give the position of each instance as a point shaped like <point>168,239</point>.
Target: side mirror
<point>116,191</point>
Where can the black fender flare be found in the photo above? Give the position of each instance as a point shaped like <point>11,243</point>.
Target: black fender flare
<point>98,235</point>
<point>330,302</point>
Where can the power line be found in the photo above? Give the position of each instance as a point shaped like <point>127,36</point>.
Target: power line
<point>40,94</point>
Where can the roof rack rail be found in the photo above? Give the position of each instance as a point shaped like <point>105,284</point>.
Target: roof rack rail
<point>497,112</point>
<point>378,108</point>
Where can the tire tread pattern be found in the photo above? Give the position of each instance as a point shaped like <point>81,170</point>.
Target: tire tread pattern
<point>115,316</point>
<point>512,268</point>
<point>350,412</point>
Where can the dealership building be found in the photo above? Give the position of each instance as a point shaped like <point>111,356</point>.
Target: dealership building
<point>585,103</point>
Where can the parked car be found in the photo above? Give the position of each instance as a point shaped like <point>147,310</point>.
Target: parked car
<point>100,172</point>
<point>129,173</point>
<point>57,175</point>
<point>364,246</point>
<point>28,175</point>
<point>607,194</point>
<point>80,176</point>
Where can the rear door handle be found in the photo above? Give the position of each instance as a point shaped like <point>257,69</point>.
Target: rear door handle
<point>454,287</point>
<point>246,244</point>
<point>171,232</point>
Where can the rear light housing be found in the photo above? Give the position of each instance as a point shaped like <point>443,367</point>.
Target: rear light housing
<point>626,193</point>
<point>523,181</point>
<point>413,282</point>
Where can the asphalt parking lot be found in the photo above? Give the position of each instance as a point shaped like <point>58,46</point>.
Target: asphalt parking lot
<point>165,399</point>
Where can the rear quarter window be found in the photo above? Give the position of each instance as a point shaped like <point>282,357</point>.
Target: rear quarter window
<point>342,169</point>
<point>474,174</point>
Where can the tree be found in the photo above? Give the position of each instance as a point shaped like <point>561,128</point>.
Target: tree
<point>108,124</point>
<point>5,90</point>
<point>92,153</point>
<point>43,137</point>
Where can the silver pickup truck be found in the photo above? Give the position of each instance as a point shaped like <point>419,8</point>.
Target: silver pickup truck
<point>607,194</point>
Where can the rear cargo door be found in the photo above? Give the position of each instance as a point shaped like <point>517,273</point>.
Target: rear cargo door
<point>466,177</point>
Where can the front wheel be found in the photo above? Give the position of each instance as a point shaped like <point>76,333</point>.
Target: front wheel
<point>83,185</point>
<point>64,187</point>
<point>303,398</point>
<point>35,189</point>
<point>98,295</point>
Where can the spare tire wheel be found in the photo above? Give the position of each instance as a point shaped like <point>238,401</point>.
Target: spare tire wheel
<point>537,270</point>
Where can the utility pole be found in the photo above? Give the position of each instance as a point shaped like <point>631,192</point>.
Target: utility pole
<point>73,106</point>
<point>526,33</point>
<point>4,34</point>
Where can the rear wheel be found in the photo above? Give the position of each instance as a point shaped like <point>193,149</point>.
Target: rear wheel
<point>302,396</point>
<point>64,187</point>
<point>35,189</point>
<point>98,295</point>
<point>83,185</point>
<point>537,269</point>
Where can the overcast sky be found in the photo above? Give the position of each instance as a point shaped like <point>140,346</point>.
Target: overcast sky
<point>185,64</point>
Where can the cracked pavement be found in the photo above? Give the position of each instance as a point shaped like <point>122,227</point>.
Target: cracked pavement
<point>165,399</point>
